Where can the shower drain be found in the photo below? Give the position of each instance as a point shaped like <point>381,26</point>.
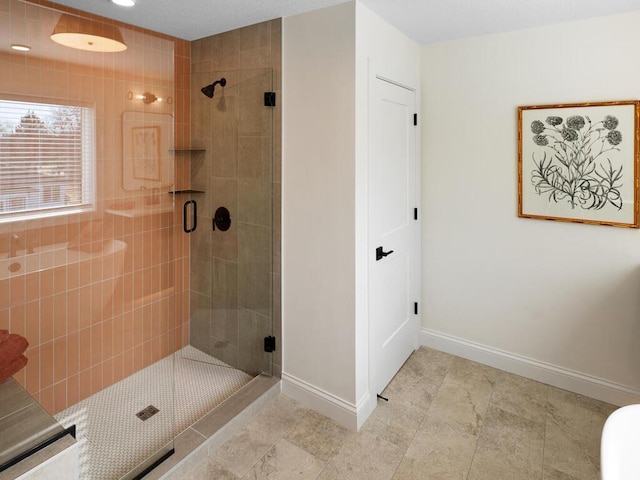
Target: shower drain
<point>147,412</point>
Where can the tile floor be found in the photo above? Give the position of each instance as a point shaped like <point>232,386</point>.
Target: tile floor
<point>447,419</point>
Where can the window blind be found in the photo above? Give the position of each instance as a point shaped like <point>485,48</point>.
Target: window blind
<point>47,159</point>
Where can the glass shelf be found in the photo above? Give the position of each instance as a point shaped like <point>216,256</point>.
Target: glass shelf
<point>186,190</point>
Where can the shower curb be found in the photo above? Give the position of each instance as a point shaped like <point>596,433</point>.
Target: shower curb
<point>207,435</point>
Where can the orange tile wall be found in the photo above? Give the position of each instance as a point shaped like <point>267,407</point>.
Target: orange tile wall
<point>90,325</point>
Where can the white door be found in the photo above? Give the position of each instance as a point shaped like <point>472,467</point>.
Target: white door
<point>393,324</point>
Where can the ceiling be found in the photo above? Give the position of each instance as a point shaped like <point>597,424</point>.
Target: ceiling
<point>426,21</point>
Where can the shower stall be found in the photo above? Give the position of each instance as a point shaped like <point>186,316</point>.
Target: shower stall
<point>141,263</point>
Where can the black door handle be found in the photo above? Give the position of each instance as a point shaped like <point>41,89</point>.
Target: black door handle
<point>380,254</point>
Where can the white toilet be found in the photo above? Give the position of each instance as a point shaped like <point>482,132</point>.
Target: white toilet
<point>620,445</point>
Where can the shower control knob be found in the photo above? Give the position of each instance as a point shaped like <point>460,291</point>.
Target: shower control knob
<point>222,219</point>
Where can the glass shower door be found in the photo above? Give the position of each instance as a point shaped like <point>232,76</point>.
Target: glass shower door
<point>231,248</point>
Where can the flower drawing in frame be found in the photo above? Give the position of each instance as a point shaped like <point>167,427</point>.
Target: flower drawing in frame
<point>146,152</point>
<point>579,162</point>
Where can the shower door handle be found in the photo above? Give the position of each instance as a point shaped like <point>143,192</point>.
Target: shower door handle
<point>185,212</point>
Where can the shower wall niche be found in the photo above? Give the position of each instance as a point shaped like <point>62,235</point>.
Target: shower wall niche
<point>235,276</point>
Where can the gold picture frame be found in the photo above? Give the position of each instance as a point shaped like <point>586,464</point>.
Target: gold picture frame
<point>580,162</point>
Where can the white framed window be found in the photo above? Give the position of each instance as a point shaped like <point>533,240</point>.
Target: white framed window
<point>47,159</point>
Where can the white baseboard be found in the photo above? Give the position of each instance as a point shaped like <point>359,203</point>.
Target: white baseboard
<point>560,377</point>
<point>347,414</point>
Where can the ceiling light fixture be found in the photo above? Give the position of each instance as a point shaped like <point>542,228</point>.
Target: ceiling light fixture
<point>124,3</point>
<point>20,48</point>
<point>83,34</point>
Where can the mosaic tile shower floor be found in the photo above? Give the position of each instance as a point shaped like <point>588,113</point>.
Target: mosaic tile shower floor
<point>113,441</point>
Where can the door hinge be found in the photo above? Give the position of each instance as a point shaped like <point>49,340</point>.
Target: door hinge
<point>415,119</point>
<point>269,344</point>
<point>415,213</point>
<point>415,308</point>
<point>269,99</point>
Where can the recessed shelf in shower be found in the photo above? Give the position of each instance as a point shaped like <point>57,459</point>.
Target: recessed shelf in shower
<point>184,152</point>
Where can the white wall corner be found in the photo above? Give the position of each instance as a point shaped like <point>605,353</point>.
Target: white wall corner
<point>549,374</point>
<point>349,415</point>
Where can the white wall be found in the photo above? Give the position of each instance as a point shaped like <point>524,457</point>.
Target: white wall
<point>318,198</point>
<point>329,56</point>
<point>566,295</point>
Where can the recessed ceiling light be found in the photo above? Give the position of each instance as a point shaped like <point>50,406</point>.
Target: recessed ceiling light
<point>20,48</point>
<point>124,3</point>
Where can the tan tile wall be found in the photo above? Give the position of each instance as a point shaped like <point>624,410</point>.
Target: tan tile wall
<point>235,282</point>
<point>90,325</point>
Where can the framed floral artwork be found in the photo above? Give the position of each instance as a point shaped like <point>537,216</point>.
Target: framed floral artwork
<point>147,143</point>
<point>579,162</point>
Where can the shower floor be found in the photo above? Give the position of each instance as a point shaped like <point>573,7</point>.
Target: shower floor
<point>113,441</point>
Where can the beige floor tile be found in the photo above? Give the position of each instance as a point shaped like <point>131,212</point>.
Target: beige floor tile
<point>363,457</point>
<point>428,364</point>
<point>241,452</point>
<point>318,435</point>
<point>558,396</point>
<point>285,461</point>
<point>439,448</point>
<point>579,416</point>
<point>573,431</point>
<point>447,419</point>
<point>553,474</point>
<point>396,424</point>
<point>209,470</point>
<point>412,469</point>
<point>521,396</point>
<point>464,395</point>
<point>565,453</point>
<point>410,391</point>
<point>468,373</point>
<point>460,406</point>
<point>277,419</point>
<point>509,447</point>
<point>247,447</point>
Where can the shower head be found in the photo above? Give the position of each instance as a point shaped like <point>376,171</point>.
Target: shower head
<point>208,90</point>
